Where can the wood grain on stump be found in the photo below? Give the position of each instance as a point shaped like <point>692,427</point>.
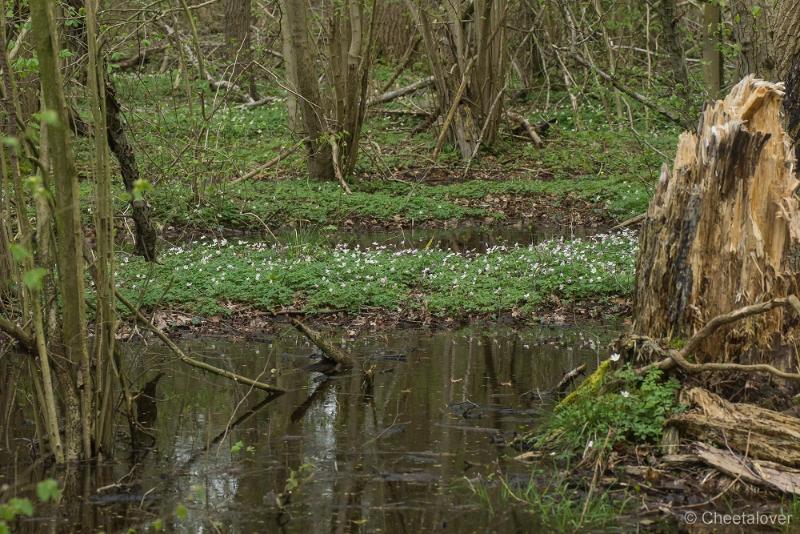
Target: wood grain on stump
<point>723,231</point>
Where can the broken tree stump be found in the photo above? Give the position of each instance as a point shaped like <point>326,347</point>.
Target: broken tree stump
<point>723,232</point>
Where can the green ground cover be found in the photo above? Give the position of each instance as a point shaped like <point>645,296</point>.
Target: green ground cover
<point>205,276</point>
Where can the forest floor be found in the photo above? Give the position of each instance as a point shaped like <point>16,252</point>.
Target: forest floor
<point>222,258</point>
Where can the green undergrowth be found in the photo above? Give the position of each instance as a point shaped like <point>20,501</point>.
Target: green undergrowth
<point>622,406</point>
<point>191,153</point>
<point>554,504</point>
<point>207,276</point>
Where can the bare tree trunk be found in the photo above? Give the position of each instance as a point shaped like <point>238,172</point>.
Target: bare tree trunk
<point>723,231</point>
<point>668,13</point>
<point>752,30</point>
<point>69,258</point>
<point>712,55</point>
<point>469,69</point>
<point>394,30</point>
<point>238,19</point>
<point>309,104</point>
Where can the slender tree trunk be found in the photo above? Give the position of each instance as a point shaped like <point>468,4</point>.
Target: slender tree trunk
<point>712,55</point>
<point>309,104</point>
<point>69,258</point>
<point>104,231</point>
<point>146,236</point>
<point>238,19</point>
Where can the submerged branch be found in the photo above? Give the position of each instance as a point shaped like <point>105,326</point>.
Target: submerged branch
<point>332,353</point>
<point>189,360</point>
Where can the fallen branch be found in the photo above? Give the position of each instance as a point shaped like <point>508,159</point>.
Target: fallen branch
<point>337,168</point>
<point>21,336</point>
<point>629,222</point>
<point>271,163</point>
<point>570,377</point>
<point>679,358</point>
<point>337,355</point>
<point>402,91</point>
<point>516,117</point>
<point>453,108</point>
<point>189,360</point>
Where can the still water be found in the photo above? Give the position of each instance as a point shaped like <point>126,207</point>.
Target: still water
<point>385,448</point>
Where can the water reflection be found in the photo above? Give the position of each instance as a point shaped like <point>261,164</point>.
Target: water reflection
<point>390,445</point>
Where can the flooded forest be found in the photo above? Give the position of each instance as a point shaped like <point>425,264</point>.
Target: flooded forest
<point>399,266</point>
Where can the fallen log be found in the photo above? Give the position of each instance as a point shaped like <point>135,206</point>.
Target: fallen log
<point>747,429</point>
<point>328,349</point>
<point>516,117</point>
<point>402,91</point>
<point>766,474</point>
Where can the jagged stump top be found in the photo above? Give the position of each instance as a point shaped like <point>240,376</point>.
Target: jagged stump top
<point>723,229</point>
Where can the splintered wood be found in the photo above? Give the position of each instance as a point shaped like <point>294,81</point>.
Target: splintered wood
<point>723,231</point>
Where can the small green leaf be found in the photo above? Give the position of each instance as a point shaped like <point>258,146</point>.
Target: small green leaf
<point>33,280</point>
<point>47,490</point>
<point>19,253</point>
<point>237,447</point>
<point>181,512</point>
<point>50,117</point>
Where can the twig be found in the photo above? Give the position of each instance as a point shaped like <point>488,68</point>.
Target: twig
<point>271,163</point>
<point>189,360</point>
<point>516,117</point>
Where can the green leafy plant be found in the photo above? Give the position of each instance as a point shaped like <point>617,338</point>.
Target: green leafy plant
<point>46,491</point>
<point>634,408</point>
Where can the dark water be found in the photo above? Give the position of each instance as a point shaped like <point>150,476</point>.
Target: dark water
<point>386,454</point>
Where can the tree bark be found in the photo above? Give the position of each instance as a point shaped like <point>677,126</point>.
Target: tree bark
<point>752,30</point>
<point>712,55</point>
<point>146,236</point>
<point>723,231</point>
<point>786,36</point>
<point>238,19</point>
<point>668,13</point>
<point>69,258</point>
<point>309,104</point>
